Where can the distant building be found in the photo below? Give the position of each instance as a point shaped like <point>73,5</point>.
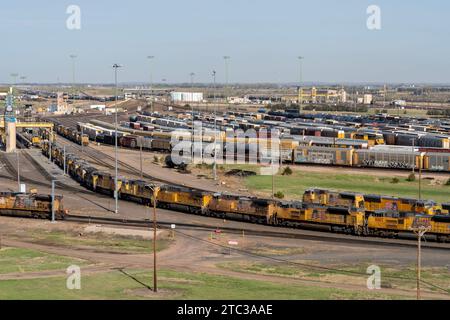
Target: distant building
<point>186,96</point>
<point>399,103</point>
<point>368,99</point>
<point>61,106</point>
<point>239,100</point>
<point>322,95</point>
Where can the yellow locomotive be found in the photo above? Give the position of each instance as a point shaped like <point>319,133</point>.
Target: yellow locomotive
<point>333,198</point>
<point>31,205</point>
<point>245,208</point>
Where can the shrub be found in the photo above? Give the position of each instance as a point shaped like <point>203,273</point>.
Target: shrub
<point>448,182</point>
<point>395,180</point>
<point>411,177</point>
<point>155,159</point>
<point>279,195</point>
<point>287,171</point>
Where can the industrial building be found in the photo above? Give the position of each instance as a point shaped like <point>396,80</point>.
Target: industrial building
<point>186,96</point>
<point>317,95</point>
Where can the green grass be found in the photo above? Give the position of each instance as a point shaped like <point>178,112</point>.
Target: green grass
<point>293,186</point>
<point>397,277</point>
<point>24,260</point>
<point>97,241</point>
<point>172,285</point>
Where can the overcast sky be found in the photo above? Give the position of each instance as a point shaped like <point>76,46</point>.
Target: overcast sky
<point>262,37</point>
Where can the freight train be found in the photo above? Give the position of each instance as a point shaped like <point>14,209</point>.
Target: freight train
<point>73,135</point>
<point>31,205</point>
<point>340,212</point>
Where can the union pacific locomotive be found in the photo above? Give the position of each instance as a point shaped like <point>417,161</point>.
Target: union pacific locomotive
<point>31,205</point>
<point>351,213</point>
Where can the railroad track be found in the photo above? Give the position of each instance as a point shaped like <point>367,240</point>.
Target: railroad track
<point>11,169</point>
<point>335,238</point>
<point>99,157</point>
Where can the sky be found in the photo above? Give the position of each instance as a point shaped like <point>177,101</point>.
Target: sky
<point>262,37</point>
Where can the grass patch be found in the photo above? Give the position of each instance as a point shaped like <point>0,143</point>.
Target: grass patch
<point>172,285</point>
<point>294,185</point>
<point>14,260</point>
<point>96,241</point>
<point>402,278</point>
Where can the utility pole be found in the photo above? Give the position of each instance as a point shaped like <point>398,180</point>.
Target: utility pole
<point>273,179</point>
<point>116,191</point>
<point>215,126</point>
<point>155,199</point>
<point>413,156</point>
<point>300,90</point>
<point>73,57</point>
<point>420,230</point>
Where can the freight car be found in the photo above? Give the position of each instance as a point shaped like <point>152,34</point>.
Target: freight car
<point>323,155</point>
<point>31,205</point>
<point>387,159</point>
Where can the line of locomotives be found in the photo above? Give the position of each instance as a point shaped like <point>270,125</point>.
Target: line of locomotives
<point>351,213</point>
<point>339,153</point>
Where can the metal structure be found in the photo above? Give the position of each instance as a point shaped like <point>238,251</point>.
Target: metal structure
<point>150,58</point>
<point>73,57</point>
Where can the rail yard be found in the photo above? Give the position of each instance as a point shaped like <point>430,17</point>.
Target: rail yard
<point>200,153</point>
<point>77,153</point>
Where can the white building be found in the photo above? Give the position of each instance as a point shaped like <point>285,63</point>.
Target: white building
<point>368,99</point>
<point>186,96</point>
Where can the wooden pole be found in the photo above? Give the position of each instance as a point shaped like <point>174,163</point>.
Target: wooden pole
<point>420,231</point>
<point>155,282</point>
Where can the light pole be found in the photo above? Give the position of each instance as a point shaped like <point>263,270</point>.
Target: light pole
<point>226,59</point>
<point>300,90</point>
<point>64,168</point>
<point>73,57</point>
<point>150,58</point>
<point>18,169</point>
<point>215,125</point>
<point>53,199</point>
<point>116,191</point>
<point>192,112</point>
